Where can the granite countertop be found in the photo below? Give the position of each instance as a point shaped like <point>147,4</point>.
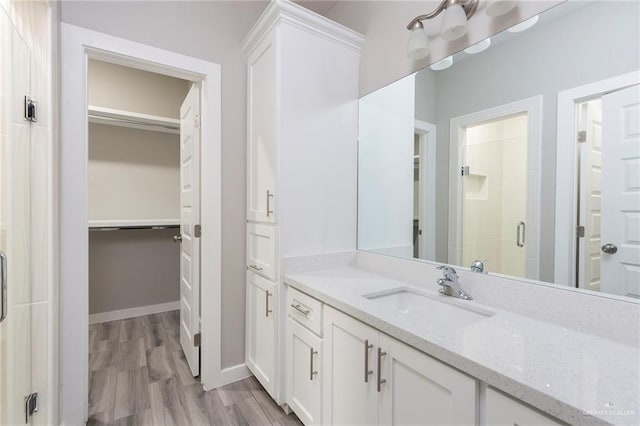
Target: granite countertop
<point>571,375</point>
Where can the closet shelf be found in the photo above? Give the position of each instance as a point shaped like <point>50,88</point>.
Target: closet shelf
<point>133,120</point>
<point>150,223</point>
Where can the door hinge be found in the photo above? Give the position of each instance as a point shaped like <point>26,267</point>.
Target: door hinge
<point>582,136</point>
<point>197,231</point>
<point>196,121</point>
<point>30,109</point>
<point>197,339</point>
<point>580,231</point>
<point>30,406</point>
<point>464,171</point>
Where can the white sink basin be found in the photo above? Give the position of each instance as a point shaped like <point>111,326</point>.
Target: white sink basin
<point>433,309</point>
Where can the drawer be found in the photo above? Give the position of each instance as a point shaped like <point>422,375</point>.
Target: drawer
<point>262,250</point>
<point>305,309</point>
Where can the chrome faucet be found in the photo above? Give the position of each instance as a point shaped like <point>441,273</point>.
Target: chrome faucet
<point>478,266</point>
<point>450,285</point>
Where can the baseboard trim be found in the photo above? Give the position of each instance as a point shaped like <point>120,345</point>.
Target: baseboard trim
<point>229,375</point>
<point>133,312</point>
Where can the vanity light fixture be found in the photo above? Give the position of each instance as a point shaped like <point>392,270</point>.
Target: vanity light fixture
<point>418,45</point>
<point>454,22</point>
<point>442,64</point>
<point>480,46</point>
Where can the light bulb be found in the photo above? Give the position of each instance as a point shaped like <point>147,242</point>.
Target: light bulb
<point>418,45</point>
<point>442,64</point>
<point>454,23</point>
<point>481,46</point>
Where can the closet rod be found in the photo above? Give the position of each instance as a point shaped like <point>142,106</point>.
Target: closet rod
<point>132,228</point>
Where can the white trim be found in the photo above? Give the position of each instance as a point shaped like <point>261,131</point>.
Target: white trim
<point>566,158</point>
<point>139,311</point>
<point>428,138</point>
<point>303,18</point>
<point>533,107</point>
<point>77,45</point>
<point>232,374</point>
<point>133,222</point>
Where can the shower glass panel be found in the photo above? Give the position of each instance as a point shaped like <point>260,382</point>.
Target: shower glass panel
<point>494,201</point>
<point>15,223</point>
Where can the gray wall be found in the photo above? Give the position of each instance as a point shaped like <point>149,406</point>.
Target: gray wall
<point>212,31</point>
<point>594,43</point>
<point>132,268</point>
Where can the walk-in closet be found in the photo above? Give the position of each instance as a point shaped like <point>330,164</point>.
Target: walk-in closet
<point>133,191</point>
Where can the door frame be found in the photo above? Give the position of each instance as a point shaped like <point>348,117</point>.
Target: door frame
<point>566,166</point>
<point>533,107</point>
<point>427,207</point>
<point>77,46</point>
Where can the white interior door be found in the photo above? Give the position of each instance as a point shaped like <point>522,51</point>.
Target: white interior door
<point>620,264</point>
<point>590,204</point>
<point>190,228</point>
<point>15,227</point>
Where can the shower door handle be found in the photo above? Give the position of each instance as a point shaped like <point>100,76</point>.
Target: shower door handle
<point>521,232</point>
<point>3,282</point>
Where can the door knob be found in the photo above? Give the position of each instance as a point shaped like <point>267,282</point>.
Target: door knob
<point>609,248</point>
<point>177,238</point>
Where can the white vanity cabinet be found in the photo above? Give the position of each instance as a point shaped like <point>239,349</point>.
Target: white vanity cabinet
<point>261,131</point>
<point>302,121</point>
<point>304,377</point>
<point>262,246</point>
<point>260,330</point>
<point>371,378</point>
<point>500,410</point>
<point>418,389</point>
<point>348,371</point>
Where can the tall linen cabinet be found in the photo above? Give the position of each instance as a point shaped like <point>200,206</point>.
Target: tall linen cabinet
<point>302,100</point>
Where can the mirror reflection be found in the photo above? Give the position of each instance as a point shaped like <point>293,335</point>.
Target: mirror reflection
<point>518,156</point>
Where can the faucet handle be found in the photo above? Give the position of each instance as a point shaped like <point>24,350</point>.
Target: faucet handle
<point>448,271</point>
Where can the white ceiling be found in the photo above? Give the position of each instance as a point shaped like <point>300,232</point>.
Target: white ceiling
<point>319,6</point>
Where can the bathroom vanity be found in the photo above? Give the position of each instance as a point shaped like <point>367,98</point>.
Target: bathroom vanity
<point>365,346</point>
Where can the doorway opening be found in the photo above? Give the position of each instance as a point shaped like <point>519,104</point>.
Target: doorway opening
<point>607,203</point>
<point>78,46</point>
<point>424,191</point>
<point>597,196</point>
<point>143,206</point>
<point>494,172</point>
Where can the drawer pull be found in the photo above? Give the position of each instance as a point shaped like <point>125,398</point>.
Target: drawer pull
<point>381,381</point>
<point>299,308</point>
<point>367,372</point>
<point>266,304</point>
<point>311,369</point>
<point>255,267</point>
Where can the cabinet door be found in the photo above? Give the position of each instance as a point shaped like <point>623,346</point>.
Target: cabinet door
<point>349,392</point>
<point>262,247</point>
<point>417,389</point>
<point>304,380</point>
<point>261,128</point>
<point>260,330</point>
<point>504,411</point>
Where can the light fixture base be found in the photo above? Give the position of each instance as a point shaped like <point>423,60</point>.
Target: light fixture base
<point>469,6</point>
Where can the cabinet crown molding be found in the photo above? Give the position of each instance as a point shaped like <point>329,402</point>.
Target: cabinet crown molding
<point>287,11</point>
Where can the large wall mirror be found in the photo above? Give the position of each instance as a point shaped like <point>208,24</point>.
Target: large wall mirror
<point>522,152</point>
